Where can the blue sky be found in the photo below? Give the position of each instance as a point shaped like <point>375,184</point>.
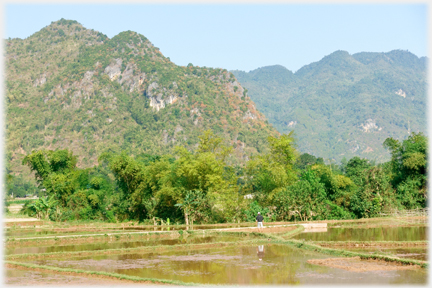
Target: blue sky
<point>242,36</point>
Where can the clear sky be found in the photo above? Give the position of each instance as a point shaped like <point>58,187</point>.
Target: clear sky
<point>242,36</point>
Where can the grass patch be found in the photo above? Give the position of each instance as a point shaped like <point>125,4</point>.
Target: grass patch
<point>338,252</point>
<point>20,215</point>
<point>20,201</point>
<point>371,243</point>
<point>366,226</point>
<point>289,234</point>
<point>100,273</point>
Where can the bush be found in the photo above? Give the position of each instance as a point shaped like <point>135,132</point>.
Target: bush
<point>251,213</point>
<point>336,212</point>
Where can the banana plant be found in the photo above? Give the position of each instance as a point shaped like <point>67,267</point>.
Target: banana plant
<point>190,202</point>
<point>40,208</point>
<point>150,206</point>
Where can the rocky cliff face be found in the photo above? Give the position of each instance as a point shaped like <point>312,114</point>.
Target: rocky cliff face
<point>70,87</point>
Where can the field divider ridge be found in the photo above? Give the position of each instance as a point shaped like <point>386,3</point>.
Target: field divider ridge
<point>345,253</point>
<point>36,267</point>
<point>371,243</point>
<point>143,249</point>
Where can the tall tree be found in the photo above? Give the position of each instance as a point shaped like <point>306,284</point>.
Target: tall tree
<point>409,169</point>
<point>269,173</point>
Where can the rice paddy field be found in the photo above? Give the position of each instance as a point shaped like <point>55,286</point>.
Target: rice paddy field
<point>373,251</point>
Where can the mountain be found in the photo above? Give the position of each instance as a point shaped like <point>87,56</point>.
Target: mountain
<point>344,105</point>
<point>72,87</point>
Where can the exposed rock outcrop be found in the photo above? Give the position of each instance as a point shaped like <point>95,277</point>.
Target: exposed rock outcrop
<point>114,69</point>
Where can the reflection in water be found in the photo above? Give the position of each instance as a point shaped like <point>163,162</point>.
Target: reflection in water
<point>31,232</point>
<point>316,229</point>
<point>416,253</point>
<point>118,245</point>
<point>36,233</point>
<point>260,252</point>
<point>283,264</point>
<point>368,234</point>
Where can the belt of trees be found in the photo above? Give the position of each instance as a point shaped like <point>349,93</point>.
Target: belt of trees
<point>202,187</point>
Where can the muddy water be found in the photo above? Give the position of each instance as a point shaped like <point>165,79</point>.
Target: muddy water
<point>118,245</point>
<point>17,233</point>
<point>25,233</point>
<point>184,227</point>
<point>35,278</point>
<point>406,253</point>
<point>368,234</point>
<point>267,264</point>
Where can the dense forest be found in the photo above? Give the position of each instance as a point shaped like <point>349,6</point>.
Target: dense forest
<point>112,130</point>
<point>75,88</point>
<point>201,186</point>
<point>344,105</point>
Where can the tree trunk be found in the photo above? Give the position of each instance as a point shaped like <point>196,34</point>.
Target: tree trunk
<point>301,219</point>
<point>186,219</point>
<point>154,221</point>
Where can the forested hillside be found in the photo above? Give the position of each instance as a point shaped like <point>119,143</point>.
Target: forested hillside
<point>112,130</point>
<point>344,105</point>
<point>71,87</point>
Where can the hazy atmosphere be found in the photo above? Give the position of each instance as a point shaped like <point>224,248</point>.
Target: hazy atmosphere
<point>241,145</point>
<point>243,37</point>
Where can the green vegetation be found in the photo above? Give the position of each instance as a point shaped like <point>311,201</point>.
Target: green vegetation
<point>294,232</point>
<point>94,237</point>
<point>337,252</point>
<point>261,238</point>
<point>243,240</point>
<point>344,105</point>
<point>203,187</point>
<point>68,87</point>
<point>113,131</point>
<point>17,186</point>
<point>101,273</point>
<point>372,243</point>
<point>19,201</point>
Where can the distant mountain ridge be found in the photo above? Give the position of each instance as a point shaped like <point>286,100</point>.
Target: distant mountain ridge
<point>72,87</point>
<point>344,105</point>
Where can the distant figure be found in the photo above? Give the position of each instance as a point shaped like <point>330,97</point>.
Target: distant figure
<point>259,220</point>
<point>260,252</point>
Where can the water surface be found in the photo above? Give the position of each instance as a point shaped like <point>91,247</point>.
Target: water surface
<point>32,232</point>
<point>406,253</point>
<point>118,245</point>
<point>279,264</point>
<point>415,233</point>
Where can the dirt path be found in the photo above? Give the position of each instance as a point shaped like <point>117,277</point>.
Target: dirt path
<point>8,220</point>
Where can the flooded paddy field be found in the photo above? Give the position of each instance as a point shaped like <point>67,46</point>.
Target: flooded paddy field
<point>119,245</point>
<point>411,233</point>
<point>373,222</point>
<point>230,254</point>
<point>31,233</point>
<point>43,232</point>
<point>404,252</point>
<point>251,264</point>
<point>19,277</point>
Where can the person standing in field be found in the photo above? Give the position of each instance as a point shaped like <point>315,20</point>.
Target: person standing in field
<point>259,220</point>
